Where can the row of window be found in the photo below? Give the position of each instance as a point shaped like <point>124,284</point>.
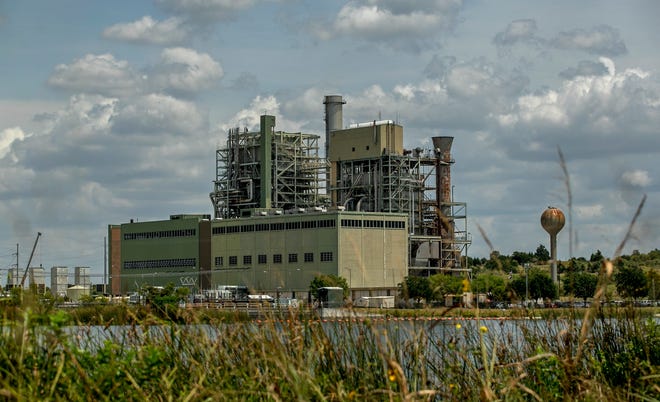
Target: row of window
<point>264,227</point>
<point>325,256</point>
<point>169,263</point>
<point>326,223</point>
<point>359,223</point>
<point>160,234</point>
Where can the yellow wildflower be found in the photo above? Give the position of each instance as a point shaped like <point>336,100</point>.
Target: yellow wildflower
<point>390,375</point>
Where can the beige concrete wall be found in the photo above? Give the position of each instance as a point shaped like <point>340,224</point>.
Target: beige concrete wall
<point>269,276</point>
<point>373,258</point>
<point>366,142</point>
<point>367,257</point>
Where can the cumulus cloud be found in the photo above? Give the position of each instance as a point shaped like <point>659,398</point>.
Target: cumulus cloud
<point>636,178</point>
<point>585,68</point>
<point>250,116</point>
<point>147,30</point>
<point>101,74</point>
<point>400,24</point>
<point>157,114</point>
<point>185,70</point>
<point>7,138</point>
<point>589,211</point>
<point>518,31</point>
<point>98,156</point>
<point>592,112</point>
<point>601,40</point>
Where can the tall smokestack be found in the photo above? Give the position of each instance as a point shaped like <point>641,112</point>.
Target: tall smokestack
<point>442,148</point>
<point>334,120</point>
<point>333,117</point>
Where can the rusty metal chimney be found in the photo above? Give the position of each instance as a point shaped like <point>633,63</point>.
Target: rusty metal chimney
<point>442,151</point>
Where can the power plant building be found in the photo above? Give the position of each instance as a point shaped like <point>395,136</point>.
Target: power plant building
<point>371,212</point>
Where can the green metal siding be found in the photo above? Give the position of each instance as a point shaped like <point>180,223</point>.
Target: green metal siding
<point>151,251</point>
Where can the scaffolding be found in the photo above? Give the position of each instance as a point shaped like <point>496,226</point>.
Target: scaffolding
<point>244,170</point>
<point>297,170</point>
<point>416,184</point>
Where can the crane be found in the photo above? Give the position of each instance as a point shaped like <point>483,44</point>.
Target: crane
<point>27,267</point>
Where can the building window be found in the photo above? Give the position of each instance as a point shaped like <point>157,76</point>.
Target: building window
<point>326,256</point>
<point>309,257</point>
<point>247,260</point>
<point>353,149</point>
<point>170,263</point>
<point>277,258</point>
<point>233,260</point>
<point>262,258</point>
<point>218,261</point>
<point>293,257</point>
<point>351,223</point>
<point>367,147</point>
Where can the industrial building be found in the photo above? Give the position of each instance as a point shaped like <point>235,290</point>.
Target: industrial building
<point>369,211</point>
<point>59,281</point>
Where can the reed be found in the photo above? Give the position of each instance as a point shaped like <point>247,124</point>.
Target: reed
<point>288,358</point>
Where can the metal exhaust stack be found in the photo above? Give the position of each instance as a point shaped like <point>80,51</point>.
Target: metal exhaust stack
<point>442,150</point>
<point>334,120</point>
<point>333,117</point>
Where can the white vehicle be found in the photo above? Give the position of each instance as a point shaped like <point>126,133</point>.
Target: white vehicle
<point>261,298</point>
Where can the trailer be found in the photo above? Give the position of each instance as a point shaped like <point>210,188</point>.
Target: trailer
<point>375,302</point>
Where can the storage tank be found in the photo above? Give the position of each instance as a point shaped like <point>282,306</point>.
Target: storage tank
<point>553,220</point>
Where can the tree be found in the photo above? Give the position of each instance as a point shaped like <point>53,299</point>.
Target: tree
<point>164,298</point>
<point>596,257</point>
<point>522,257</point>
<point>322,281</point>
<point>580,284</point>
<point>491,284</point>
<point>631,282</point>
<point>416,287</point>
<point>502,263</point>
<point>542,254</point>
<point>539,283</point>
<point>442,285</point>
<point>653,278</point>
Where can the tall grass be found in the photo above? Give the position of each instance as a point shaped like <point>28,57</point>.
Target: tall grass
<point>289,359</point>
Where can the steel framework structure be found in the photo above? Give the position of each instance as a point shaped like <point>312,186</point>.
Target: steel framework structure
<point>295,169</point>
<point>411,184</point>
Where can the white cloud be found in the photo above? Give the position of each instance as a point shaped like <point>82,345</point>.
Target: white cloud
<point>601,40</point>
<point>518,31</point>
<point>7,138</point>
<point>636,178</point>
<point>589,211</point>
<point>147,30</point>
<point>185,70</point>
<point>101,74</point>
<point>157,114</point>
<point>399,24</point>
<point>601,105</point>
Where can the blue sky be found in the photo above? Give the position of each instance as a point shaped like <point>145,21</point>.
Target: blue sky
<point>112,110</point>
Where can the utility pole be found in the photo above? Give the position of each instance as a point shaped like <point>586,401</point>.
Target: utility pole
<point>105,266</point>
<point>526,282</point>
